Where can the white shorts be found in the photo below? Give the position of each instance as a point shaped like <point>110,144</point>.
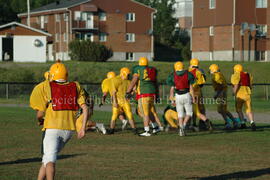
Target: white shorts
<point>54,140</point>
<point>183,105</point>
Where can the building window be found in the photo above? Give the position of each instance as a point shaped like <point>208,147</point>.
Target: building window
<point>102,37</point>
<point>261,30</point>
<point>130,17</point>
<point>46,19</point>
<point>65,37</point>
<point>56,37</point>
<point>77,15</point>
<point>261,55</point>
<point>211,30</point>
<point>65,16</point>
<point>57,17</point>
<point>89,36</point>
<point>261,3</point>
<point>212,4</point>
<point>130,37</point>
<point>42,22</point>
<point>102,16</point>
<point>129,56</point>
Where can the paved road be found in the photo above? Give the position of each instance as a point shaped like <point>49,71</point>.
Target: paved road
<point>259,117</point>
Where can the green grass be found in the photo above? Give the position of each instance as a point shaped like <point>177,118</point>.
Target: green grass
<point>220,155</point>
<point>93,72</point>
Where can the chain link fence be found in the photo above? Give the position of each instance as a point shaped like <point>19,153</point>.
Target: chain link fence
<point>18,90</point>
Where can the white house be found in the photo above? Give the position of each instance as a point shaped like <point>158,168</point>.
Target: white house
<point>21,43</point>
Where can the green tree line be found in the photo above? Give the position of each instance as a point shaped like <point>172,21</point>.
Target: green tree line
<point>10,8</point>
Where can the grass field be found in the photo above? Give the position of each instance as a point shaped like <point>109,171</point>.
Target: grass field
<point>240,154</point>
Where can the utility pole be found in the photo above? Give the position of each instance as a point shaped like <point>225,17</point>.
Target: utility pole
<point>28,13</point>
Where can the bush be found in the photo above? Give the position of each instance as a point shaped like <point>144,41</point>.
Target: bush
<point>89,51</point>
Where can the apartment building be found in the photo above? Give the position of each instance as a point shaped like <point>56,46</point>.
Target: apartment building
<point>232,30</point>
<point>183,12</point>
<point>125,26</point>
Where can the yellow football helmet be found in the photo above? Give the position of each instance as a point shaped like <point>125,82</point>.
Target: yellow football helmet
<point>143,61</point>
<point>58,71</point>
<point>178,66</point>
<point>47,75</point>
<point>124,72</point>
<point>238,68</point>
<point>194,62</point>
<point>214,68</point>
<point>111,74</point>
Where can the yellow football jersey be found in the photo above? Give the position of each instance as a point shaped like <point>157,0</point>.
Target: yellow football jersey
<point>243,90</point>
<point>40,100</point>
<point>199,79</point>
<point>218,81</point>
<point>120,87</point>
<point>107,86</point>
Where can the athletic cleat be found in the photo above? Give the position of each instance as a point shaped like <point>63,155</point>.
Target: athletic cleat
<point>182,132</point>
<point>253,126</point>
<point>243,126</point>
<point>156,130</point>
<point>135,131</point>
<point>145,134</point>
<point>102,128</point>
<point>227,126</point>
<point>124,124</point>
<point>110,131</point>
<point>167,128</point>
<point>209,125</point>
<point>235,125</point>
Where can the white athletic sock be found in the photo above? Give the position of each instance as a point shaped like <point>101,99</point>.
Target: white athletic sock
<point>146,128</point>
<point>251,122</point>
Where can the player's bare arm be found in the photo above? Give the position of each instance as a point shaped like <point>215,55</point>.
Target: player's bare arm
<point>81,133</point>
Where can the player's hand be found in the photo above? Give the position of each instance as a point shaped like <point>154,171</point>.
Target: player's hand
<point>115,105</point>
<point>40,122</point>
<point>193,100</point>
<point>128,95</point>
<point>81,134</point>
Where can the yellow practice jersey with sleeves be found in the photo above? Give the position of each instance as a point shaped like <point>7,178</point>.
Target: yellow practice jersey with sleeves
<point>243,90</point>
<point>40,100</point>
<point>199,78</point>
<point>120,86</point>
<point>107,86</point>
<point>219,82</point>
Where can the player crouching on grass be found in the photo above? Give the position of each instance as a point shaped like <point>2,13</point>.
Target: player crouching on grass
<point>107,88</point>
<point>170,116</point>
<point>120,85</point>
<point>145,80</point>
<point>181,82</point>
<point>90,125</point>
<point>242,82</point>
<point>220,86</point>
<point>57,102</point>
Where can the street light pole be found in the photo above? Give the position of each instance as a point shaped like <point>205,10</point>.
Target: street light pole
<point>28,13</point>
